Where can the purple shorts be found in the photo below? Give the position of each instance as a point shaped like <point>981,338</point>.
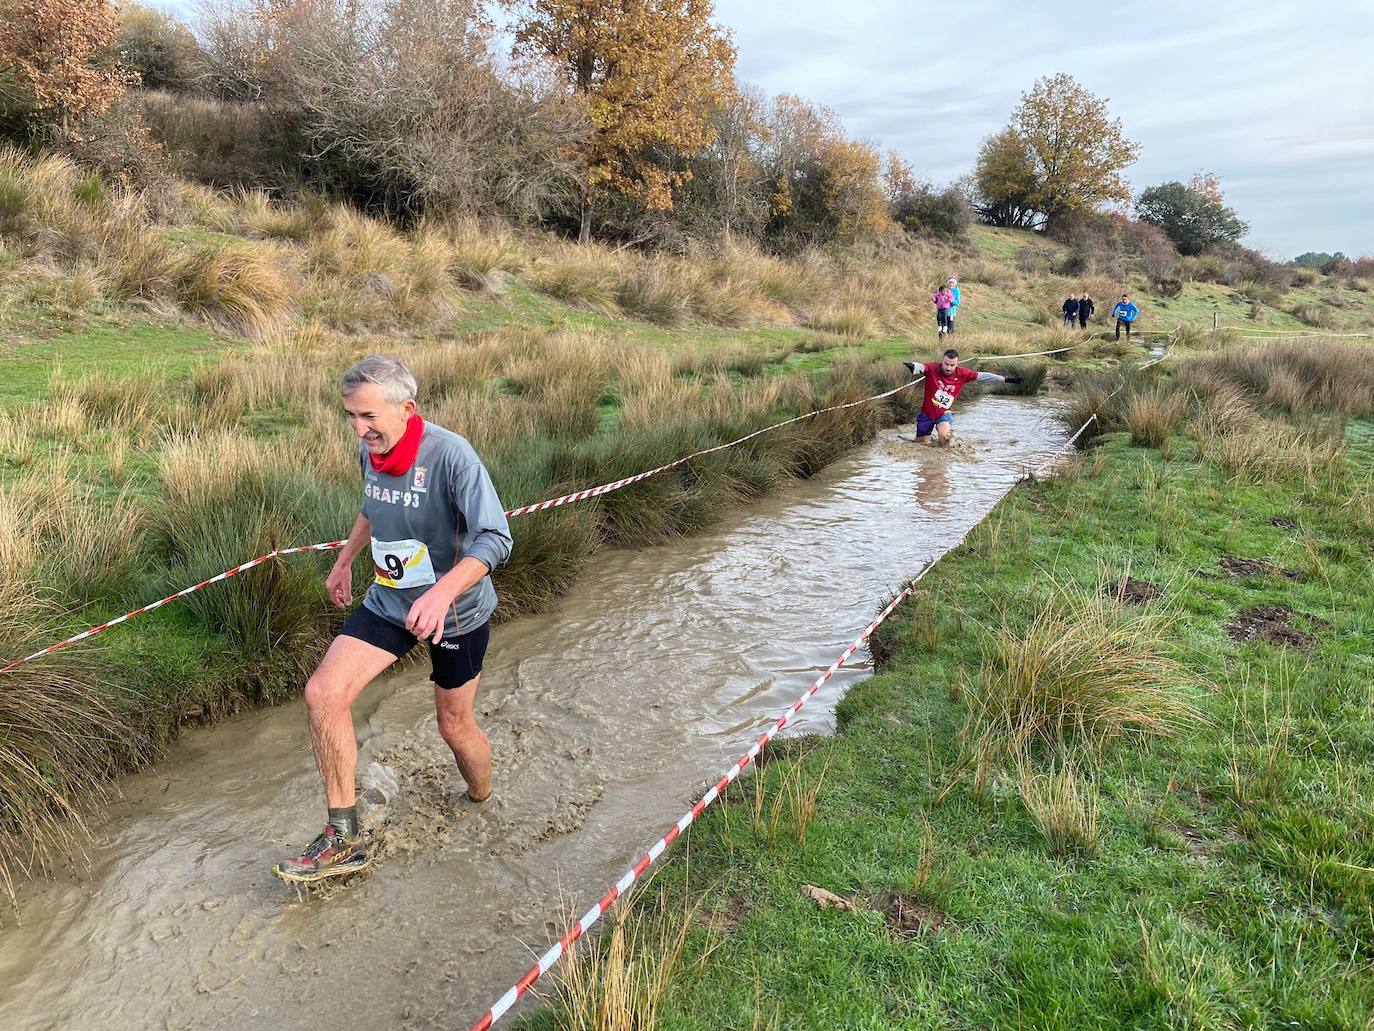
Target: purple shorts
<point>925,425</point>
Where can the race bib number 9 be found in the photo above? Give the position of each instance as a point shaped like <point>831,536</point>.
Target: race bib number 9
<point>402,563</point>
<point>943,399</point>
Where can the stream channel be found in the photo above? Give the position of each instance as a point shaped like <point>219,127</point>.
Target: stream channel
<point>607,716</point>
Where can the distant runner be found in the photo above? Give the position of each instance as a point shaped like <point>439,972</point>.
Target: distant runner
<point>1125,312</point>
<point>1071,311</point>
<point>952,285</point>
<point>436,530</point>
<point>944,380</point>
<point>1085,310</point>
<point>943,299</point>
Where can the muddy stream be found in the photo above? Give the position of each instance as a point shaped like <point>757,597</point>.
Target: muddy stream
<point>606,716</point>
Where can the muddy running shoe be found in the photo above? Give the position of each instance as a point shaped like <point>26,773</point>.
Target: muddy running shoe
<point>329,855</point>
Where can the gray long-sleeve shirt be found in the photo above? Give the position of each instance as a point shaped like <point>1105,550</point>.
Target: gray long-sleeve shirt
<point>425,522</point>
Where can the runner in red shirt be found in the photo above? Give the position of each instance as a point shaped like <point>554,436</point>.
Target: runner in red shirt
<point>944,380</point>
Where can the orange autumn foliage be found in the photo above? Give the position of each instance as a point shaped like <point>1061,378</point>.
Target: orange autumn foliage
<point>55,53</point>
<point>649,72</point>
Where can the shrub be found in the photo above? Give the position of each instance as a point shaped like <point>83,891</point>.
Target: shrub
<point>221,142</point>
<point>1167,286</point>
<point>944,215</point>
<point>157,46</point>
<point>1315,315</point>
<point>1362,267</point>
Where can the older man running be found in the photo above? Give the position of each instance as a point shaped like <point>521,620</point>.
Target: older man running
<point>944,380</point>
<point>436,530</point>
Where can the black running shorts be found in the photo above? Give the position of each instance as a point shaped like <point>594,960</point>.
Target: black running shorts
<point>453,661</point>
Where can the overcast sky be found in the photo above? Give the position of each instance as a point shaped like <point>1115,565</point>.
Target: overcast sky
<point>1276,99</point>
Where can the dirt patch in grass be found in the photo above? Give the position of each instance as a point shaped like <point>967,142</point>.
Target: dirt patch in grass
<point>730,914</point>
<point>1136,592</point>
<point>1282,522</point>
<point>1272,623</point>
<point>909,918</point>
<point>1237,568</point>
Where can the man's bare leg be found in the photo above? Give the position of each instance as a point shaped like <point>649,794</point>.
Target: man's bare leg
<point>945,430</point>
<point>348,667</point>
<point>458,727</point>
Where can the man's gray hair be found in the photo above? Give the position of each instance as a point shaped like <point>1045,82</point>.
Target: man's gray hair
<point>397,383</point>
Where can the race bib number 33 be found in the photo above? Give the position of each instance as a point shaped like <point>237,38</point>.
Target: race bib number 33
<point>402,563</point>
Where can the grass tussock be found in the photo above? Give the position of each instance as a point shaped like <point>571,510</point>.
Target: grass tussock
<point>1063,806</point>
<point>61,726</point>
<point>621,981</point>
<point>1083,671</point>
<point>1297,376</point>
<point>1154,415</point>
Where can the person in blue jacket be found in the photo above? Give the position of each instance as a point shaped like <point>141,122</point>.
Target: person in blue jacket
<point>1125,312</point>
<point>953,283</point>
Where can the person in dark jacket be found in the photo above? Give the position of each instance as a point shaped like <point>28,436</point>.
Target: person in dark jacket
<point>1085,310</point>
<point>1071,311</point>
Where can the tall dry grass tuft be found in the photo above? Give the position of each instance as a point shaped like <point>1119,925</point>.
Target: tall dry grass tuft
<point>240,289</point>
<point>588,276</point>
<point>1154,415</point>
<point>621,981</point>
<point>1311,375</point>
<point>1084,670</point>
<point>1063,806</point>
<point>91,545</point>
<point>479,255</point>
<point>650,289</point>
<point>846,320</point>
<point>224,498</point>
<point>60,728</point>
<point>362,272</point>
<point>1230,432</point>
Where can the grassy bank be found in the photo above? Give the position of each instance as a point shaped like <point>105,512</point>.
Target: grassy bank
<point>1114,769</point>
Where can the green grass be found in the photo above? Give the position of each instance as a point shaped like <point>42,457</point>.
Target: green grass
<point>119,348</point>
<point>1230,885</point>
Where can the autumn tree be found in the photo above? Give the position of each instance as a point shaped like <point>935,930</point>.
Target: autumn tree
<point>824,186</point>
<point>1004,183</point>
<point>650,74</point>
<point>1192,216</point>
<point>1060,153</point>
<point>55,63</point>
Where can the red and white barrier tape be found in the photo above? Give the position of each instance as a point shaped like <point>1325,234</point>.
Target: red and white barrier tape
<point>171,597</point>
<point>581,495</point>
<point>566,499</point>
<point>1065,447</point>
<point>627,880</point>
<point>630,876</point>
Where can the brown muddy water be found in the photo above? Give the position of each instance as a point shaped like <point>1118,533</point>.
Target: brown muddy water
<point>606,716</point>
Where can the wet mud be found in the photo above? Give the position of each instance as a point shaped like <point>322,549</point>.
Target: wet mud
<point>606,716</point>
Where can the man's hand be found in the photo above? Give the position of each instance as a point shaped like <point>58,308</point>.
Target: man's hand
<point>427,615</point>
<point>339,584</point>
<point>1014,379</point>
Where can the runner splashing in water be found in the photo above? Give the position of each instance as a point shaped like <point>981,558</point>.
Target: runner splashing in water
<point>436,530</point>
<point>944,380</point>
